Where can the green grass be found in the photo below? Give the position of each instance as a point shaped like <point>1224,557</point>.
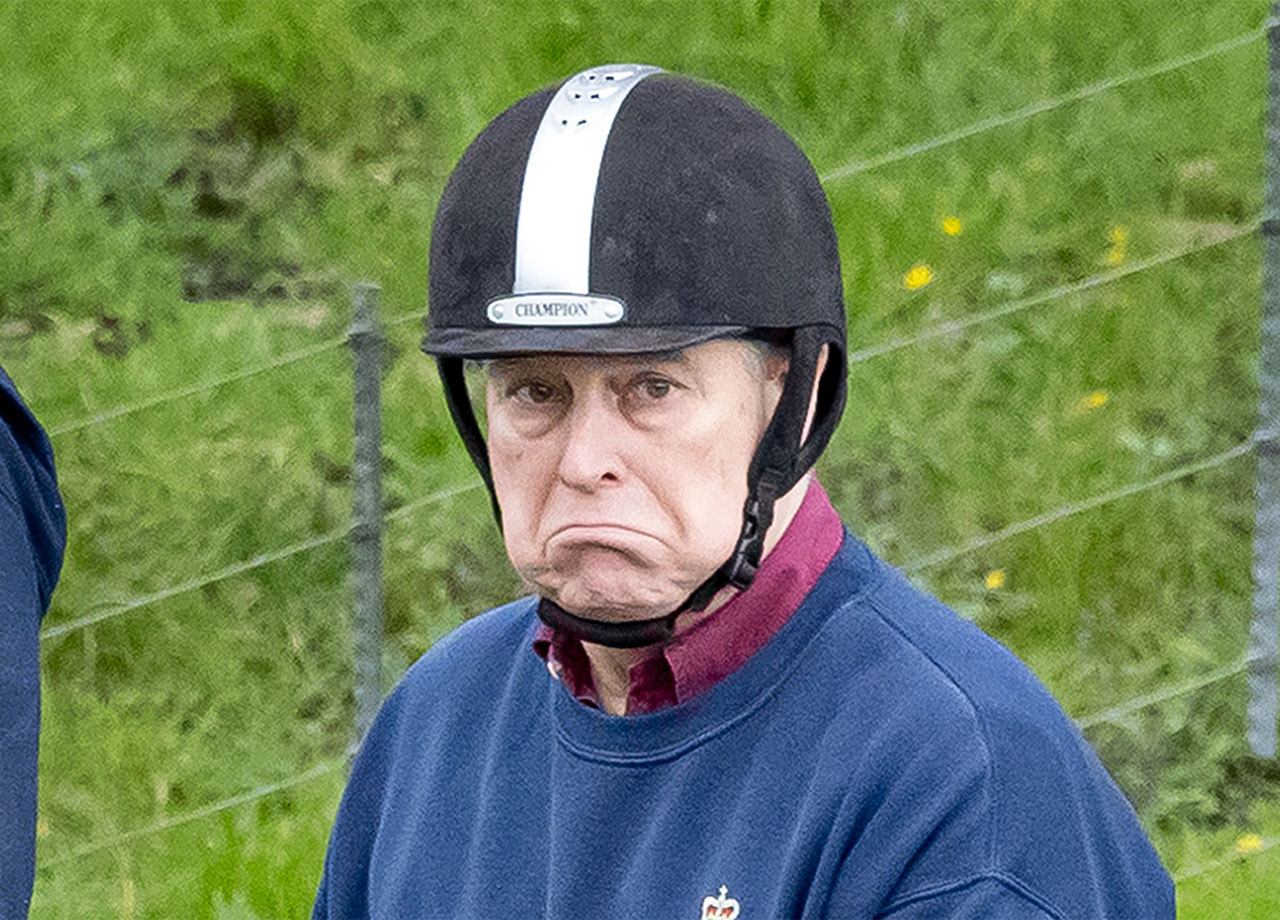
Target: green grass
<point>265,155</point>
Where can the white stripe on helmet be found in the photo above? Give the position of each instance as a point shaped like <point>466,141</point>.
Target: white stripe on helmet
<point>553,230</point>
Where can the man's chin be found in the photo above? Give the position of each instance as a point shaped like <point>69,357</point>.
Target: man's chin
<point>613,598</point>
<point>610,604</point>
<point>611,585</point>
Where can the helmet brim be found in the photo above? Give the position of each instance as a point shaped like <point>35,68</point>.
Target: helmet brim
<point>614,340</point>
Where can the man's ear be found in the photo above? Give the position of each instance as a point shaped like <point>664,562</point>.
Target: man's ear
<point>773,367</point>
<point>813,393</point>
<point>776,363</point>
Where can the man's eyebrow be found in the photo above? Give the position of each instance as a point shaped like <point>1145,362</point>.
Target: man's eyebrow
<point>674,356</point>
<point>511,363</point>
<point>506,364</point>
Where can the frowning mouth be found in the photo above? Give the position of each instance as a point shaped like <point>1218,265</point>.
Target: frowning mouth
<point>601,534</point>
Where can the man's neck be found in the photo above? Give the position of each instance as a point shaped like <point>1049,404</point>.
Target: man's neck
<point>611,667</point>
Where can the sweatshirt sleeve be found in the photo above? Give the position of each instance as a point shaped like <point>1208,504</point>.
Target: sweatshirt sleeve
<point>32,537</point>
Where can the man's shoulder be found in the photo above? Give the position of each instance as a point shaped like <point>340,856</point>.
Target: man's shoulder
<point>486,644</point>
<point>458,680</point>
<point>958,712</point>
<point>926,685</point>
<point>932,664</point>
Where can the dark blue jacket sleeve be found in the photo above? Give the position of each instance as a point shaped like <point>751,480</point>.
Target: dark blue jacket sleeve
<point>33,534</point>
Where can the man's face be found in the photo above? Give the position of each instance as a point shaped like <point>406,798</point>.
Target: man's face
<point>622,478</point>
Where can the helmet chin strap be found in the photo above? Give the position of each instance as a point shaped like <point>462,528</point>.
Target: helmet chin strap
<point>778,464</point>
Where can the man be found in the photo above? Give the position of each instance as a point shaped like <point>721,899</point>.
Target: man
<point>717,700</point>
<point>33,531</point>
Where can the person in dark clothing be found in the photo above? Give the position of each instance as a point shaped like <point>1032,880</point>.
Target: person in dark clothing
<point>33,535</point>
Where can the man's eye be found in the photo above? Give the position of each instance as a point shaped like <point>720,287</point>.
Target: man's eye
<point>534,392</point>
<point>649,389</point>
<point>655,388</point>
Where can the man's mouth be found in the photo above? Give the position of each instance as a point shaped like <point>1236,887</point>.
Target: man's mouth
<point>610,535</point>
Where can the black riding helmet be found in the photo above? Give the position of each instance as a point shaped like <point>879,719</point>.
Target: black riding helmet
<point>628,210</point>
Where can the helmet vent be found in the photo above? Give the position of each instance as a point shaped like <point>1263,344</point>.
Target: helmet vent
<point>590,94</point>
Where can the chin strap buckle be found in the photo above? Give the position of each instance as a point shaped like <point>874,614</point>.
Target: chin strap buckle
<point>740,570</point>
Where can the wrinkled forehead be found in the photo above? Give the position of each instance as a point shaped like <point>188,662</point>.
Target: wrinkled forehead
<point>703,358</point>
<point>572,362</point>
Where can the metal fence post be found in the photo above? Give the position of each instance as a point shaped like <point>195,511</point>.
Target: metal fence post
<point>1264,633</point>
<point>365,337</point>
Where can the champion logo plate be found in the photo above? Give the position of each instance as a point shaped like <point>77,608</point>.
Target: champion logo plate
<point>555,310</point>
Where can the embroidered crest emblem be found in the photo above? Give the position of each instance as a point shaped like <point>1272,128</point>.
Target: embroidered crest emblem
<point>721,908</point>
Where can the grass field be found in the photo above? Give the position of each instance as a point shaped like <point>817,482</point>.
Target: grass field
<point>187,190</point>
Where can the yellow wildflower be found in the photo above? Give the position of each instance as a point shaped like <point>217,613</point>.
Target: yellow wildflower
<point>1249,843</point>
<point>1119,237</point>
<point>1095,400</point>
<point>951,226</point>
<point>995,579</point>
<point>918,277</point>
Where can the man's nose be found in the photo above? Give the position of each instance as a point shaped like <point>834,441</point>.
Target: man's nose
<point>593,432</point>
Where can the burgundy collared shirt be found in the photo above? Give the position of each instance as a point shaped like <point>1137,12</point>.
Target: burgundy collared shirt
<point>717,644</point>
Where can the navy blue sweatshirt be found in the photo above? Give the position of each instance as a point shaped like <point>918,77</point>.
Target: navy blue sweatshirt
<point>878,757</point>
<point>33,533</point>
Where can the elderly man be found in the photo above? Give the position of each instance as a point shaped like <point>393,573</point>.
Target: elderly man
<point>33,532</point>
<point>718,701</point>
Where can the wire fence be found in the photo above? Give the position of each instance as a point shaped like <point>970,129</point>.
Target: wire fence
<point>256,794</point>
<point>855,167</point>
<point>1071,508</point>
<point>112,609</point>
<point>1060,292</point>
<point>1115,714</point>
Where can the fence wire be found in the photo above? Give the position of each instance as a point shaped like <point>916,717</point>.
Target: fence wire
<point>849,169</point>
<point>932,559</point>
<point>946,554</point>
<point>244,798</point>
<point>119,608</point>
<point>205,386</point>
<point>1116,715</point>
<point>953,326</point>
<point>404,318</point>
<point>855,167</point>
<point>150,402</point>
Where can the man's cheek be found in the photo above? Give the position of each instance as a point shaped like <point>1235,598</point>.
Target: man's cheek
<point>519,532</point>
